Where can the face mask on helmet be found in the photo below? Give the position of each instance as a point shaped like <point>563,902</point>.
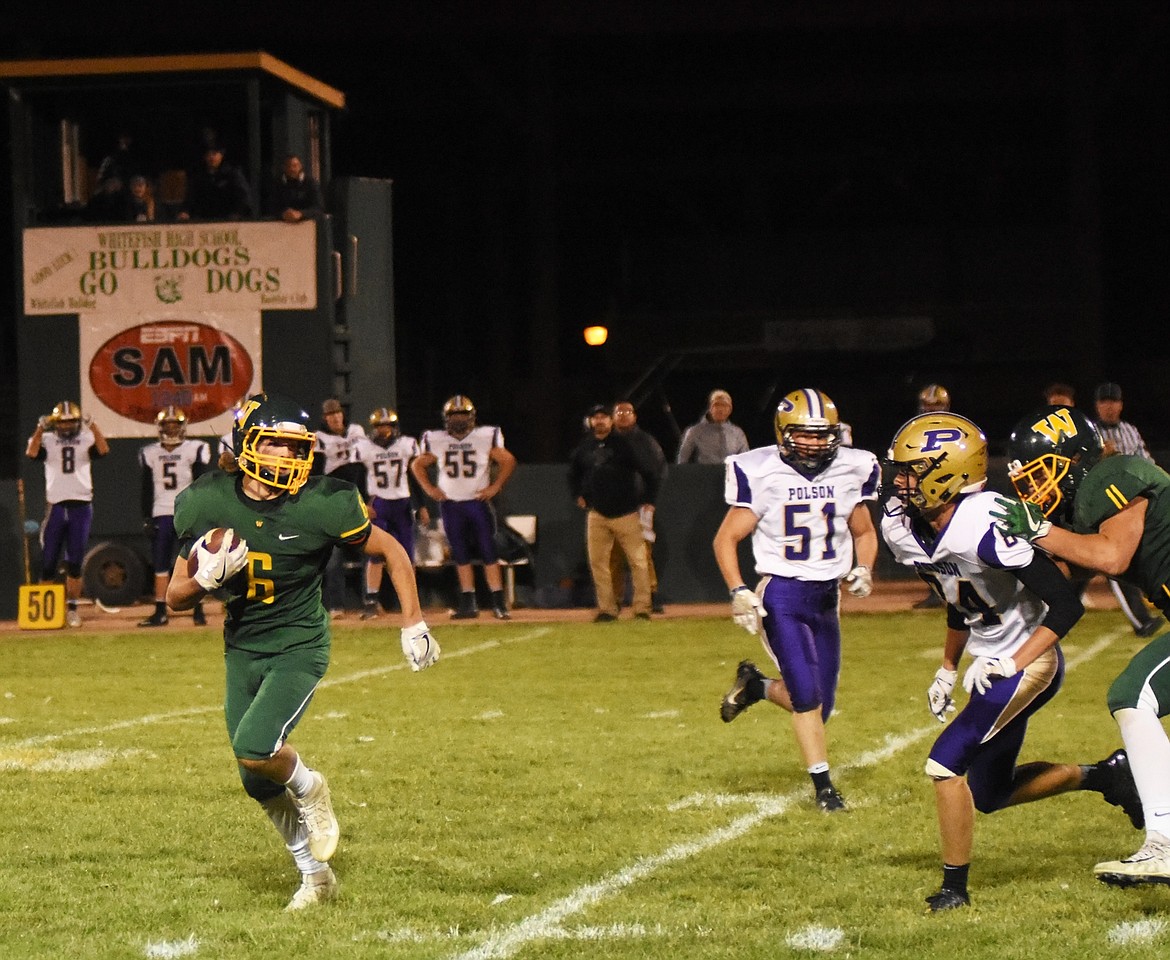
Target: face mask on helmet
<point>383,425</point>
<point>934,459</point>
<point>808,430</point>
<point>172,425</point>
<point>273,443</point>
<point>66,419</point>
<point>1049,453</point>
<point>459,416</point>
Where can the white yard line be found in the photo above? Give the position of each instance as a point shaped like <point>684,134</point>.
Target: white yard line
<point>174,716</point>
<point>547,923</point>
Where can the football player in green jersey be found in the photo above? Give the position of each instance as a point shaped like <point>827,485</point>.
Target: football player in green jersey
<point>1111,515</point>
<point>280,525</point>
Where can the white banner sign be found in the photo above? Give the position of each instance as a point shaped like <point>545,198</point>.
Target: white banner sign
<point>189,267</point>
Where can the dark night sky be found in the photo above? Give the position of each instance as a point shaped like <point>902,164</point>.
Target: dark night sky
<point>689,172</point>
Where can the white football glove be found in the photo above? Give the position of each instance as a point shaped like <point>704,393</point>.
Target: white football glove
<point>938,697</point>
<point>746,610</point>
<point>419,647</point>
<point>859,581</point>
<point>980,674</point>
<point>217,567</point>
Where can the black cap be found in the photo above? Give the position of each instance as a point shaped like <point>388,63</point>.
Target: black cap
<point>596,409</point>
<point>1108,391</point>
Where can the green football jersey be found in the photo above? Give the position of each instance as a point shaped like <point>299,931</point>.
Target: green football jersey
<point>1106,490</point>
<point>274,603</point>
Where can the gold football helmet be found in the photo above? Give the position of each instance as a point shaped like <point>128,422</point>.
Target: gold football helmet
<point>383,424</point>
<point>66,419</point>
<point>172,425</point>
<point>934,398</point>
<point>808,430</point>
<point>936,457</point>
<point>459,415</point>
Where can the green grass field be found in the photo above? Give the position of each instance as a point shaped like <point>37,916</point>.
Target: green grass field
<point>546,791</point>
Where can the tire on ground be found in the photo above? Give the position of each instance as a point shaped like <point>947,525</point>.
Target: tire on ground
<point>113,573</point>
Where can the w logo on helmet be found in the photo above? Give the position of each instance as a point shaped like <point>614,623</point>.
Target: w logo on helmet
<point>934,439</point>
<point>1056,426</point>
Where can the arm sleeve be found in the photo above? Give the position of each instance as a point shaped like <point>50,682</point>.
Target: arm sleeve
<point>1044,579</point>
<point>146,492</point>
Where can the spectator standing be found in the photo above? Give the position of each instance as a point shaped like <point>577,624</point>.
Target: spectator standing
<point>336,445</point>
<point>217,190</point>
<point>67,444</point>
<point>648,450</point>
<point>466,456</point>
<point>295,195</point>
<point>714,437</point>
<point>169,466</point>
<point>807,513</point>
<point>386,455</point>
<point>1120,437</point>
<point>276,632</point>
<point>609,480</point>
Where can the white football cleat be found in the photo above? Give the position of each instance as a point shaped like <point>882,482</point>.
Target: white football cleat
<point>315,888</point>
<point>316,812</point>
<point>72,617</point>
<point>1151,864</point>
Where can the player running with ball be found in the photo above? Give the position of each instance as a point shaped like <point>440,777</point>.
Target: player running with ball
<point>276,633</point>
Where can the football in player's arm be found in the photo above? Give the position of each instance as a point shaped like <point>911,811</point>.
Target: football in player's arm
<point>1111,515</point>
<point>1007,606</point>
<point>278,526</point>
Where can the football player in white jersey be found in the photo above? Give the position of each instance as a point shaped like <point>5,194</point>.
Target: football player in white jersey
<point>67,445</point>
<point>386,455</point>
<point>464,455</point>
<point>335,457</point>
<point>169,465</point>
<point>1007,606</point>
<point>804,502</point>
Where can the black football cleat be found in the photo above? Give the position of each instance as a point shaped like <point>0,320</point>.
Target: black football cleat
<point>738,698</point>
<point>1119,788</point>
<point>156,619</point>
<point>501,614</point>
<point>198,617</point>
<point>830,801</point>
<point>1150,627</point>
<point>947,900</point>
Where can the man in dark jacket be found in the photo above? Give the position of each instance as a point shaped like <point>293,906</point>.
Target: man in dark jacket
<point>217,190</point>
<point>610,481</point>
<point>295,195</point>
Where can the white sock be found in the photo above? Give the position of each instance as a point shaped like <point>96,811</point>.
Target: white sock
<point>287,820</point>
<point>1149,759</point>
<point>301,781</point>
<point>821,767</point>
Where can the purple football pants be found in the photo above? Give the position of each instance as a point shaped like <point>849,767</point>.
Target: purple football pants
<point>67,525</point>
<point>803,638</point>
<point>471,528</point>
<point>395,518</point>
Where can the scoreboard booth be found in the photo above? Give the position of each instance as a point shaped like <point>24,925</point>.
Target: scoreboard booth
<point>130,317</point>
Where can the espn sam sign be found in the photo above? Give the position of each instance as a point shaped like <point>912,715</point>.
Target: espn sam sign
<point>132,269</point>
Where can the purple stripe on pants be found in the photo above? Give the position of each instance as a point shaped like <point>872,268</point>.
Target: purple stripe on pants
<point>803,637</point>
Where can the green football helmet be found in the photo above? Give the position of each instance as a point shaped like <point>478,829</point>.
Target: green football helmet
<point>1049,453</point>
<point>263,419</point>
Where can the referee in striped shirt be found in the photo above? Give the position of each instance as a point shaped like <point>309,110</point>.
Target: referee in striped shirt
<point>1121,437</point>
